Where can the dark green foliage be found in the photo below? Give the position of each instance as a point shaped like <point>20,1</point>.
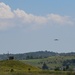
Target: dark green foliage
<point>67,63</point>
<point>11,57</point>
<point>30,55</point>
<point>12,70</point>
<point>35,55</point>
<point>67,67</point>
<point>57,69</point>
<point>45,67</point>
<point>29,69</point>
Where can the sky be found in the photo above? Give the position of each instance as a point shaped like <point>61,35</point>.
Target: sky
<point>33,25</point>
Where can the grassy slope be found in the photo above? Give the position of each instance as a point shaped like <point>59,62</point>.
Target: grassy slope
<point>7,65</point>
<point>52,62</point>
<point>22,68</point>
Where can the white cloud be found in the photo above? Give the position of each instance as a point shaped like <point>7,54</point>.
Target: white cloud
<point>60,19</point>
<point>20,18</point>
<point>29,18</point>
<point>5,11</point>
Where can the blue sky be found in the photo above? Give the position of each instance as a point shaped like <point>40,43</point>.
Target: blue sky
<point>32,25</point>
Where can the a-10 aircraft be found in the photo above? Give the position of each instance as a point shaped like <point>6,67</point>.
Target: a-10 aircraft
<point>56,39</point>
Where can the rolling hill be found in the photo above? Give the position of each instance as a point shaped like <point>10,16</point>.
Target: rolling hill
<point>14,65</point>
<point>53,61</point>
<point>34,55</point>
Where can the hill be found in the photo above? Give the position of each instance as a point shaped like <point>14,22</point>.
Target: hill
<point>14,65</point>
<point>53,61</point>
<point>29,55</point>
<point>34,55</point>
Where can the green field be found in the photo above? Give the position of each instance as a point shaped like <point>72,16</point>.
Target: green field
<point>52,62</point>
<point>39,73</point>
<point>33,66</point>
<point>16,66</point>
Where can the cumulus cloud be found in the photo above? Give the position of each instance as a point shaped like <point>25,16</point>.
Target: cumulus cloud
<point>29,18</point>
<point>60,19</point>
<point>12,18</point>
<point>5,11</point>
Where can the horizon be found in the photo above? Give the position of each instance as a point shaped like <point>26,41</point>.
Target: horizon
<point>34,52</point>
<point>29,26</point>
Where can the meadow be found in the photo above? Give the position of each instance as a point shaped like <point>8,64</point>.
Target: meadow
<point>39,73</point>
<point>33,66</point>
<point>52,61</point>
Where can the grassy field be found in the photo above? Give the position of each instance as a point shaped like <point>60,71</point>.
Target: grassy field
<point>17,66</point>
<point>30,67</point>
<point>52,62</point>
<point>39,73</point>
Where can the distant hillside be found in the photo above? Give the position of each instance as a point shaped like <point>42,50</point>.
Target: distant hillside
<point>53,62</point>
<point>34,55</point>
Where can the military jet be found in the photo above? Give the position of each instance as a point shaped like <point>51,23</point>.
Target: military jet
<point>56,39</point>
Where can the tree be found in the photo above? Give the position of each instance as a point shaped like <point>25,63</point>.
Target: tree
<point>45,67</point>
<point>67,67</point>
<point>29,69</point>
<point>29,57</point>
<point>11,57</point>
<point>57,69</point>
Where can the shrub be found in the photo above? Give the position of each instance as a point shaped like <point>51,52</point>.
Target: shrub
<point>12,70</point>
<point>45,67</point>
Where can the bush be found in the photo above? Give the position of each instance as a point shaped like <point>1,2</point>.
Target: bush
<point>45,67</point>
<point>57,69</point>
<point>12,70</point>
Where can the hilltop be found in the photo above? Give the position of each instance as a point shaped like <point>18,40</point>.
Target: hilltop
<point>34,55</point>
